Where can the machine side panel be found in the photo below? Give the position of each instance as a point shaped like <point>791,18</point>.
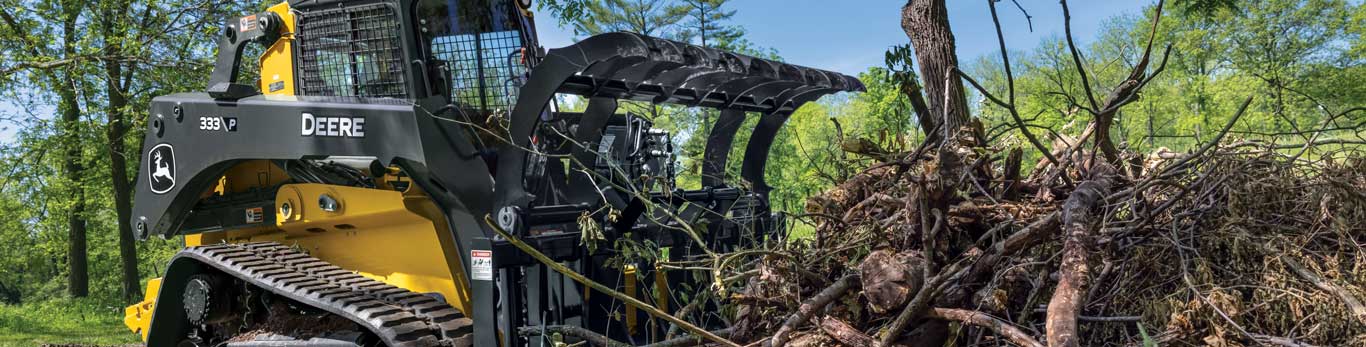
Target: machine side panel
<point>191,139</point>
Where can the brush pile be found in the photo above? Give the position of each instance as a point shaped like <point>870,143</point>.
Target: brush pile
<point>1235,244</point>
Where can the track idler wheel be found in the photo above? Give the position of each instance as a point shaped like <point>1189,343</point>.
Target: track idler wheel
<point>207,299</point>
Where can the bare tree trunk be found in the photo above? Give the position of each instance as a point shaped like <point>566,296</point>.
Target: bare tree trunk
<point>78,280</point>
<point>78,276</point>
<point>926,23</point>
<point>116,90</point>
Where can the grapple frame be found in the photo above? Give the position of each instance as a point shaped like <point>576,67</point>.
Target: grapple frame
<point>608,69</point>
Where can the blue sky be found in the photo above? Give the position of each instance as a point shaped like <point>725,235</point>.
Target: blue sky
<point>850,36</point>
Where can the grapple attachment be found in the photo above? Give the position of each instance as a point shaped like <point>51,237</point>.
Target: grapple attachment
<point>609,69</point>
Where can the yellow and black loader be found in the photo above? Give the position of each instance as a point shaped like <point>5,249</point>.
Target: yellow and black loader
<point>350,196</point>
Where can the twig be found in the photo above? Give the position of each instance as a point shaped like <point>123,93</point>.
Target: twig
<point>1213,142</point>
<point>1353,304</point>
<point>700,300</point>
<point>688,340</point>
<point>1014,243</point>
<point>1028,18</point>
<point>1010,81</point>
<point>1279,341</point>
<point>1006,330</point>
<point>812,305</point>
<point>1076,57</point>
<point>1024,129</point>
<point>629,300</point>
<point>574,331</point>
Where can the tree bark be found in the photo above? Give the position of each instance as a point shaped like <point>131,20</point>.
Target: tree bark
<point>1006,330</point>
<point>811,306</point>
<point>78,280</point>
<point>117,92</point>
<point>844,333</point>
<point>926,23</point>
<point>78,277</point>
<point>1073,274</point>
<point>122,186</point>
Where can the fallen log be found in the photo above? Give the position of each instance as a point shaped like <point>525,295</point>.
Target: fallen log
<point>890,279</point>
<point>1073,273</point>
<point>845,334</point>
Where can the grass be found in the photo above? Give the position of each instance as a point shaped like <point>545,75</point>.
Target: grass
<point>64,322</point>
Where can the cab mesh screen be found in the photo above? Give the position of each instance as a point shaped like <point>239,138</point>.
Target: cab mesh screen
<point>352,51</point>
<point>485,67</point>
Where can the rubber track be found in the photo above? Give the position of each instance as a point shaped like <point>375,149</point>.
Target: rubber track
<point>401,318</point>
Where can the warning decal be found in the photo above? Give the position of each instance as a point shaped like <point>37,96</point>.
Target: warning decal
<point>247,23</point>
<point>481,265</point>
<point>256,215</point>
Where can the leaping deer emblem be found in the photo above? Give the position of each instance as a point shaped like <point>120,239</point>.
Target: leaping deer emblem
<point>162,169</point>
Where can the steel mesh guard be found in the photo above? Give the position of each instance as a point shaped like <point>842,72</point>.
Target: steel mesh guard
<point>485,68</point>
<point>353,51</point>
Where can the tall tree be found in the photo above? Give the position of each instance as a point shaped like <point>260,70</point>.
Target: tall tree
<point>144,56</point>
<point>926,23</point>
<point>646,17</point>
<point>62,69</point>
<point>97,64</point>
<point>117,79</point>
<point>1278,42</point>
<point>705,24</point>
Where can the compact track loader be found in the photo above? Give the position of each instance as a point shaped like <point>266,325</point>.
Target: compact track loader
<point>354,194</point>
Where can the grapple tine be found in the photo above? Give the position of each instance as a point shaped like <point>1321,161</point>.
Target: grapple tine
<point>581,187</point>
<point>718,147</point>
<point>635,67</point>
<point>761,140</point>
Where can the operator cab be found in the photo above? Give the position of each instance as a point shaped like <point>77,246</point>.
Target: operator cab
<point>472,52</point>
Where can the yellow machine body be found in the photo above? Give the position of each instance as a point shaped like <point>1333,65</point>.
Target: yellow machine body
<point>138,317</point>
<point>392,236</point>
<point>277,63</point>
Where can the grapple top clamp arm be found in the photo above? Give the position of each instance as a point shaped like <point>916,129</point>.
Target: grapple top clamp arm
<point>263,28</point>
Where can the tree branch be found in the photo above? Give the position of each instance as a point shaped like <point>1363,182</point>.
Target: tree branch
<point>813,305</point>
<point>1006,330</point>
<point>1078,224</point>
<point>1076,57</point>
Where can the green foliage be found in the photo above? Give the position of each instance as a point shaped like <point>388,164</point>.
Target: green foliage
<point>1204,8</point>
<point>809,156</point>
<point>63,321</point>
<point>155,50</point>
<point>1147,340</point>
<point>705,24</point>
<point>1294,57</point>
<point>646,17</point>
<point>566,11</point>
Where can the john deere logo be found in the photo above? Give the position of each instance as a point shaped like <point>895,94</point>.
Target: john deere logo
<point>331,126</point>
<point>161,168</point>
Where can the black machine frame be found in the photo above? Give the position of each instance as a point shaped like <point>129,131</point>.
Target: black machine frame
<point>445,159</point>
